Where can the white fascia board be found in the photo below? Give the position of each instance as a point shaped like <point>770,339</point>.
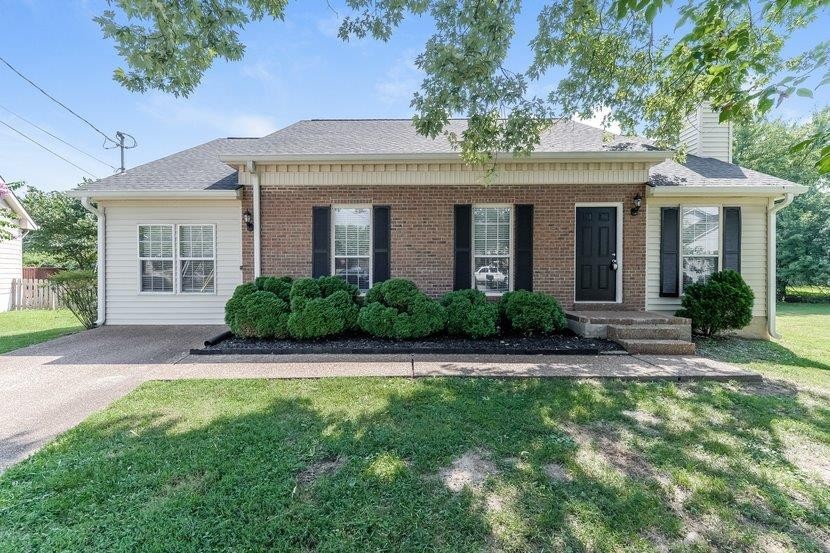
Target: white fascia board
<point>96,195</point>
<point>770,190</point>
<point>650,156</point>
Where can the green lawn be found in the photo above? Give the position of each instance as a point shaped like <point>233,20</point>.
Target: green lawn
<point>376,464</point>
<point>24,328</point>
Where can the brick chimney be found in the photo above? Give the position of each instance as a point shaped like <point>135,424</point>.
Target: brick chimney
<point>705,137</point>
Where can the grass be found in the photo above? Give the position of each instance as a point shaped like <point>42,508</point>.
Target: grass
<point>362,464</point>
<point>26,327</point>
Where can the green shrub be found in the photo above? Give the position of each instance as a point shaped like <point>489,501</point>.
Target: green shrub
<point>470,314</point>
<point>724,302</point>
<point>235,309</point>
<point>79,292</point>
<point>323,317</point>
<point>531,312</point>
<point>303,290</point>
<point>280,286</point>
<point>265,315</point>
<point>397,309</point>
<point>331,284</point>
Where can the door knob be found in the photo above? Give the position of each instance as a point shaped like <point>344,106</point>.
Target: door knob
<point>614,264</point>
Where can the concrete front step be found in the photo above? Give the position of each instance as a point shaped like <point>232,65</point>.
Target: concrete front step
<point>661,347</point>
<point>651,332</point>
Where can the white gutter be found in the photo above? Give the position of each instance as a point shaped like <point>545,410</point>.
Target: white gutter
<point>773,207</point>
<point>252,170</point>
<point>653,156</point>
<point>150,194</point>
<point>715,190</point>
<point>101,214</point>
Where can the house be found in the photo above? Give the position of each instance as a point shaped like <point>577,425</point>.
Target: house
<point>603,223</point>
<point>11,250</point>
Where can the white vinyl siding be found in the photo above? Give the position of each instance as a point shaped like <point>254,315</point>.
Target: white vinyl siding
<point>11,265</point>
<point>753,247</point>
<point>127,305</point>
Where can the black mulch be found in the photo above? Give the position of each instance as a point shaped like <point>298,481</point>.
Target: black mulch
<point>565,343</point>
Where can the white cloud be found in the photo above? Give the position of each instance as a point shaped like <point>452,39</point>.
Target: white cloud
<point>259,71</point>
<point>400,81</point>
<point>175,112</point>
<point>602,119</point>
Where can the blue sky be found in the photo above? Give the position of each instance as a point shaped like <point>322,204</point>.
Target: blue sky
<point>293,70</point>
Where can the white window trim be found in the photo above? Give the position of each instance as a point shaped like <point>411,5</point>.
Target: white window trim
<point>179,260</point>
<point>511,255</point>
<point>176,259</point>
<point>620,266</point>
<point>371,256</point>
<point>680,236</point>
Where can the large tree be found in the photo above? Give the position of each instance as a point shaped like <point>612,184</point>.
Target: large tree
<point>614,57</point>
<point>67,236</point>
<point>804,227</point>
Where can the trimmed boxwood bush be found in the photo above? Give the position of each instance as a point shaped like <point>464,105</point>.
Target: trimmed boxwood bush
<point>470,314</point>
<point>280,286</point>
<point>531,312</point>
<point>235,310</point>
<point>321,308</point>
<point>397,309</point>
<point>724,302</point>
<point>265,315</point>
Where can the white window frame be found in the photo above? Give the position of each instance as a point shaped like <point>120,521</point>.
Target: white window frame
<point>620,266</point>
<point>176,260</point>
<point>333,260</point>
<point>142,259</point>
<point>180,259</point>
<point>511,255</point>
<point>680,236</point>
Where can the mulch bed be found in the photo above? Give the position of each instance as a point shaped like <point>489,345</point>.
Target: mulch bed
<point>561,343</point>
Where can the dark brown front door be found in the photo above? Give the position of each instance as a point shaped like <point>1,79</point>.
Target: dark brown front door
<point>596,253</point>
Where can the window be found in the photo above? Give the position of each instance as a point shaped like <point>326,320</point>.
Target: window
<point>197,260</point>
<point>491,249</point>
<point>352,257</point>
<point>155,257</point>
<point>699,242</point>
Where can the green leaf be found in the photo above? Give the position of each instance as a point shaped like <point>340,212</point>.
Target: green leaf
<point>805,92</point>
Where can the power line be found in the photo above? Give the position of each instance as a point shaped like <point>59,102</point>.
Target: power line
<point>35,125</point>
<point>30,139</point>
<point>64,106</point>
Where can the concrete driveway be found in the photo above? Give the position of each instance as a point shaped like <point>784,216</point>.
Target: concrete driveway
<point>48,388</point>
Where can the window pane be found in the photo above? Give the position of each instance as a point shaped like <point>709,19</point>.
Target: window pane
<point>700,234</point>
<point>197,276</point>
<point>698,269</point>
<point>491,247</point>
<point>156,276</point>
<point>196,241</point>
<point>155,241</point>
<point>492,274</point>
<point>354,270</point>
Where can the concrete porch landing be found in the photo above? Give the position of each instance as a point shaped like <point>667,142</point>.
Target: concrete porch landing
<point>637,331</point>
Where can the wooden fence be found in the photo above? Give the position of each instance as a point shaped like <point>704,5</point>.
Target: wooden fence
<point>29,293</point>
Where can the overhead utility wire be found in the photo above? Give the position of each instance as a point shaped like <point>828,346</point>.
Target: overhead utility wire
<point>35,125</point>
<point>29,138</point>
<point>64,106</point>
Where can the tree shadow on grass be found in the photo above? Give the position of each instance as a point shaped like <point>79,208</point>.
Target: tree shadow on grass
<point>353,465</point>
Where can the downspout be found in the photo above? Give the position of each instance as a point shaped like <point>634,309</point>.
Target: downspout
<point>100,214</point>
<point>773,207</point>
<point>252,170</point>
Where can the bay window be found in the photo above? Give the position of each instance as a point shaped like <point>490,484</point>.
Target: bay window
<point>492,242</point>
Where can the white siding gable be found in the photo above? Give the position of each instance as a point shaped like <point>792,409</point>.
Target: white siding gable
<point>11,264</point>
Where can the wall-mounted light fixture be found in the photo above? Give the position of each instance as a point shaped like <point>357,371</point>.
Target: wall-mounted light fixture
<point>638,203</point>
<point>248,219</point>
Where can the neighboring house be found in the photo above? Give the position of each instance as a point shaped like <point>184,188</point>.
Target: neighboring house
<point>371,199</point>
<point>11,250</point>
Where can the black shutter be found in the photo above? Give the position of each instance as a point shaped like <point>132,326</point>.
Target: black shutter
<point>732,238</point>
<point>320,241</point>
<point>523,272</point>
<point>463,274</point>
<point>381,242</point>
<point>669,251</point>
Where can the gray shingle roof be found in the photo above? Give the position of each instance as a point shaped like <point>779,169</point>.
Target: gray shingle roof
<point>199,168</point>
<point>707,171</point>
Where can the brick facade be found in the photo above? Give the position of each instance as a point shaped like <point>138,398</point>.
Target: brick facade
<point>422,230</point>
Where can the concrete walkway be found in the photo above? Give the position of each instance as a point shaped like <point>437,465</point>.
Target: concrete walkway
<point>48,388</point>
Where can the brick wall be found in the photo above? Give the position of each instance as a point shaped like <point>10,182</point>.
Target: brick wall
<point>422,230</point>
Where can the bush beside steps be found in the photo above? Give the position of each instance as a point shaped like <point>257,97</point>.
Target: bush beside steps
<point>326,307</point>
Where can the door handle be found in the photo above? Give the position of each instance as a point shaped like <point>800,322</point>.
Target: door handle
<point>614,265</point>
